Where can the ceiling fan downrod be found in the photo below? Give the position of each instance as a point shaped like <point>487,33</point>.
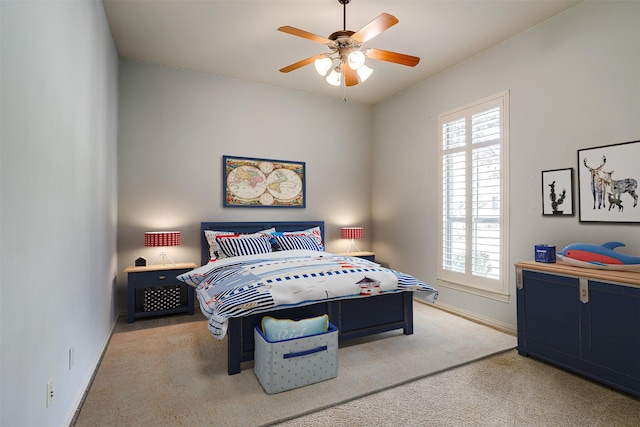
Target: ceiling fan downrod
<point>344,13</point>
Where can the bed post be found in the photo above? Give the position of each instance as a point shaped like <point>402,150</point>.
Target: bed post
<point>408,313</point>
<point>234,346</point>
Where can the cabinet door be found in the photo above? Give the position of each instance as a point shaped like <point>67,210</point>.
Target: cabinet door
<point>615,327</point>
<point>551,310</point>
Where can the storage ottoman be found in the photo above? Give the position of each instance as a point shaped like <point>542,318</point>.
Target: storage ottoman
<point>292,363</point>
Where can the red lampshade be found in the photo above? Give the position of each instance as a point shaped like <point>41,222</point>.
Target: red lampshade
<point>352,233</point>
<point>162,238</point>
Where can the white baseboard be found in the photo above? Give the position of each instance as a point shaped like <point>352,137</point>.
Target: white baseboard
<point>492,323</point>
<point>75,409</point>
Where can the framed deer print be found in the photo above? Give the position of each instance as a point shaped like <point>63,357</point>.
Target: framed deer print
<point>557,192</point>
<point>608,183</point>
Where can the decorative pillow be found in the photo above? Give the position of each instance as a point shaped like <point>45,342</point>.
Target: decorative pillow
<point>284,329</point>
<point>234,246</point>
<point>288,243</point>
<point>214,250</point>
<point>312,232</point>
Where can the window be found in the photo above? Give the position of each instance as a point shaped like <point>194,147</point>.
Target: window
<point>473,154</point>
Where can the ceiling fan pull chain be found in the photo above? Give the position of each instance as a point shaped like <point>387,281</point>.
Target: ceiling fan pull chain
<point>344,88</point>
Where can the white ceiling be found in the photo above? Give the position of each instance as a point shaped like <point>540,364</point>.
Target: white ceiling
<point>239,38</point>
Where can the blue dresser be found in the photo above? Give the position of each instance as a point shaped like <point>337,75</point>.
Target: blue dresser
<point>584,320</point>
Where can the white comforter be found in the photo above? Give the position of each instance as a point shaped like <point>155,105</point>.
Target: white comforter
<point>244,285</point>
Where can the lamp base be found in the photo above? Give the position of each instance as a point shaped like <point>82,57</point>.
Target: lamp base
<point>353,246</point>
<point>164,256</point>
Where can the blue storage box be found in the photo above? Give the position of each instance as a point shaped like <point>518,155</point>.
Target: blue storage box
<point>545,253</point>
<point>296,362</point>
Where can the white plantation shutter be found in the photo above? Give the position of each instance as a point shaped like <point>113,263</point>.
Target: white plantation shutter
<point>454,189</point>
<point>473,181</point>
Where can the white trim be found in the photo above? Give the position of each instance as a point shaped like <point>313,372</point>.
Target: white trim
<point>498,296</point>
<point>86,385</point>
<point>492,323</point>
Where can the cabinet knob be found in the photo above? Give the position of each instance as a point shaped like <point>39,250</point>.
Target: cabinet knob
<point>162,277</point>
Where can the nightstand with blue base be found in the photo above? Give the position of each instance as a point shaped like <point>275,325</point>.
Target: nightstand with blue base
<point>155,290</point>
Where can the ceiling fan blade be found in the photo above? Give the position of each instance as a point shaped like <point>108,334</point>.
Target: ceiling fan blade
<point>350,76</point>
<point>383,22</point>
<point>302,63</point>
<point>395,57</point>
<point>304,34</point>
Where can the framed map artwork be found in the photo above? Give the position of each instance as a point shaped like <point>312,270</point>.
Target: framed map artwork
<point>250,182</point>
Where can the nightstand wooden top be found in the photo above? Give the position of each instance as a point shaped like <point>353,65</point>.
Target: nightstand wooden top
<point>356,254</point>
<point>159,267</point>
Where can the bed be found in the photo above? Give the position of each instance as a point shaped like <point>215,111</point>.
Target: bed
<point>352,317</point>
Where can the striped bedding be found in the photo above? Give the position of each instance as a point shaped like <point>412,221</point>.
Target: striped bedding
<point>244,285</point>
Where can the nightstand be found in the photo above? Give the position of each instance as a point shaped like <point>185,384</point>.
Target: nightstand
<point>154,290</point>
<point>370,256</point>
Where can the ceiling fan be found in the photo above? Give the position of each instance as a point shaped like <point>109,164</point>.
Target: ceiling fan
<point>347,56</point>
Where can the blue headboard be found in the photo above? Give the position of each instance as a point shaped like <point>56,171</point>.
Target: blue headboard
<point>252,227</point>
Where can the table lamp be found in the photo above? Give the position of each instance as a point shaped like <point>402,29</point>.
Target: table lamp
<point>353,233</point>
<point>162,239</point>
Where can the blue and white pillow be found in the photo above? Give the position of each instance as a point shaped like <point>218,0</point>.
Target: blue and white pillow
<point>214,249</point>
<point>233,246</point>
<point>314,232</point>
<point>292,242</point>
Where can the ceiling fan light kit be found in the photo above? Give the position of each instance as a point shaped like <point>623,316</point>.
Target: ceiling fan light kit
<point>364,73</point>
<point>346,62</point>
<point>323,65</point>
<point>355,59</point>
<point>334,77</point>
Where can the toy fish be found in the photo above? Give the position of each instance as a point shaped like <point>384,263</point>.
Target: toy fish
<point>598,256</point>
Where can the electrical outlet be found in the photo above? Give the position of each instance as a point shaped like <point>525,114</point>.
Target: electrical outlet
<point>72,351</point>
<point>49,392</point>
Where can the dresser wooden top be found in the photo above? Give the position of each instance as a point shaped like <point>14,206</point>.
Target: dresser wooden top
<point>563,268</point>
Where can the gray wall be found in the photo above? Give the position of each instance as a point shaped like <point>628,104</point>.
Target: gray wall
<point>176,125</point>
<point>573,83</point>
<point>58,213</point>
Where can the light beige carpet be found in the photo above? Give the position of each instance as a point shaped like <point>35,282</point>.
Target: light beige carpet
<point>176,375</point>
<point>504,390</point>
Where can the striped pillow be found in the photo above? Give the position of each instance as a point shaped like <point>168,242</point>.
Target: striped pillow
<point>214,249</point>
<point>314,232</point>
<point>236,246</point>
<point>291,242</point>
